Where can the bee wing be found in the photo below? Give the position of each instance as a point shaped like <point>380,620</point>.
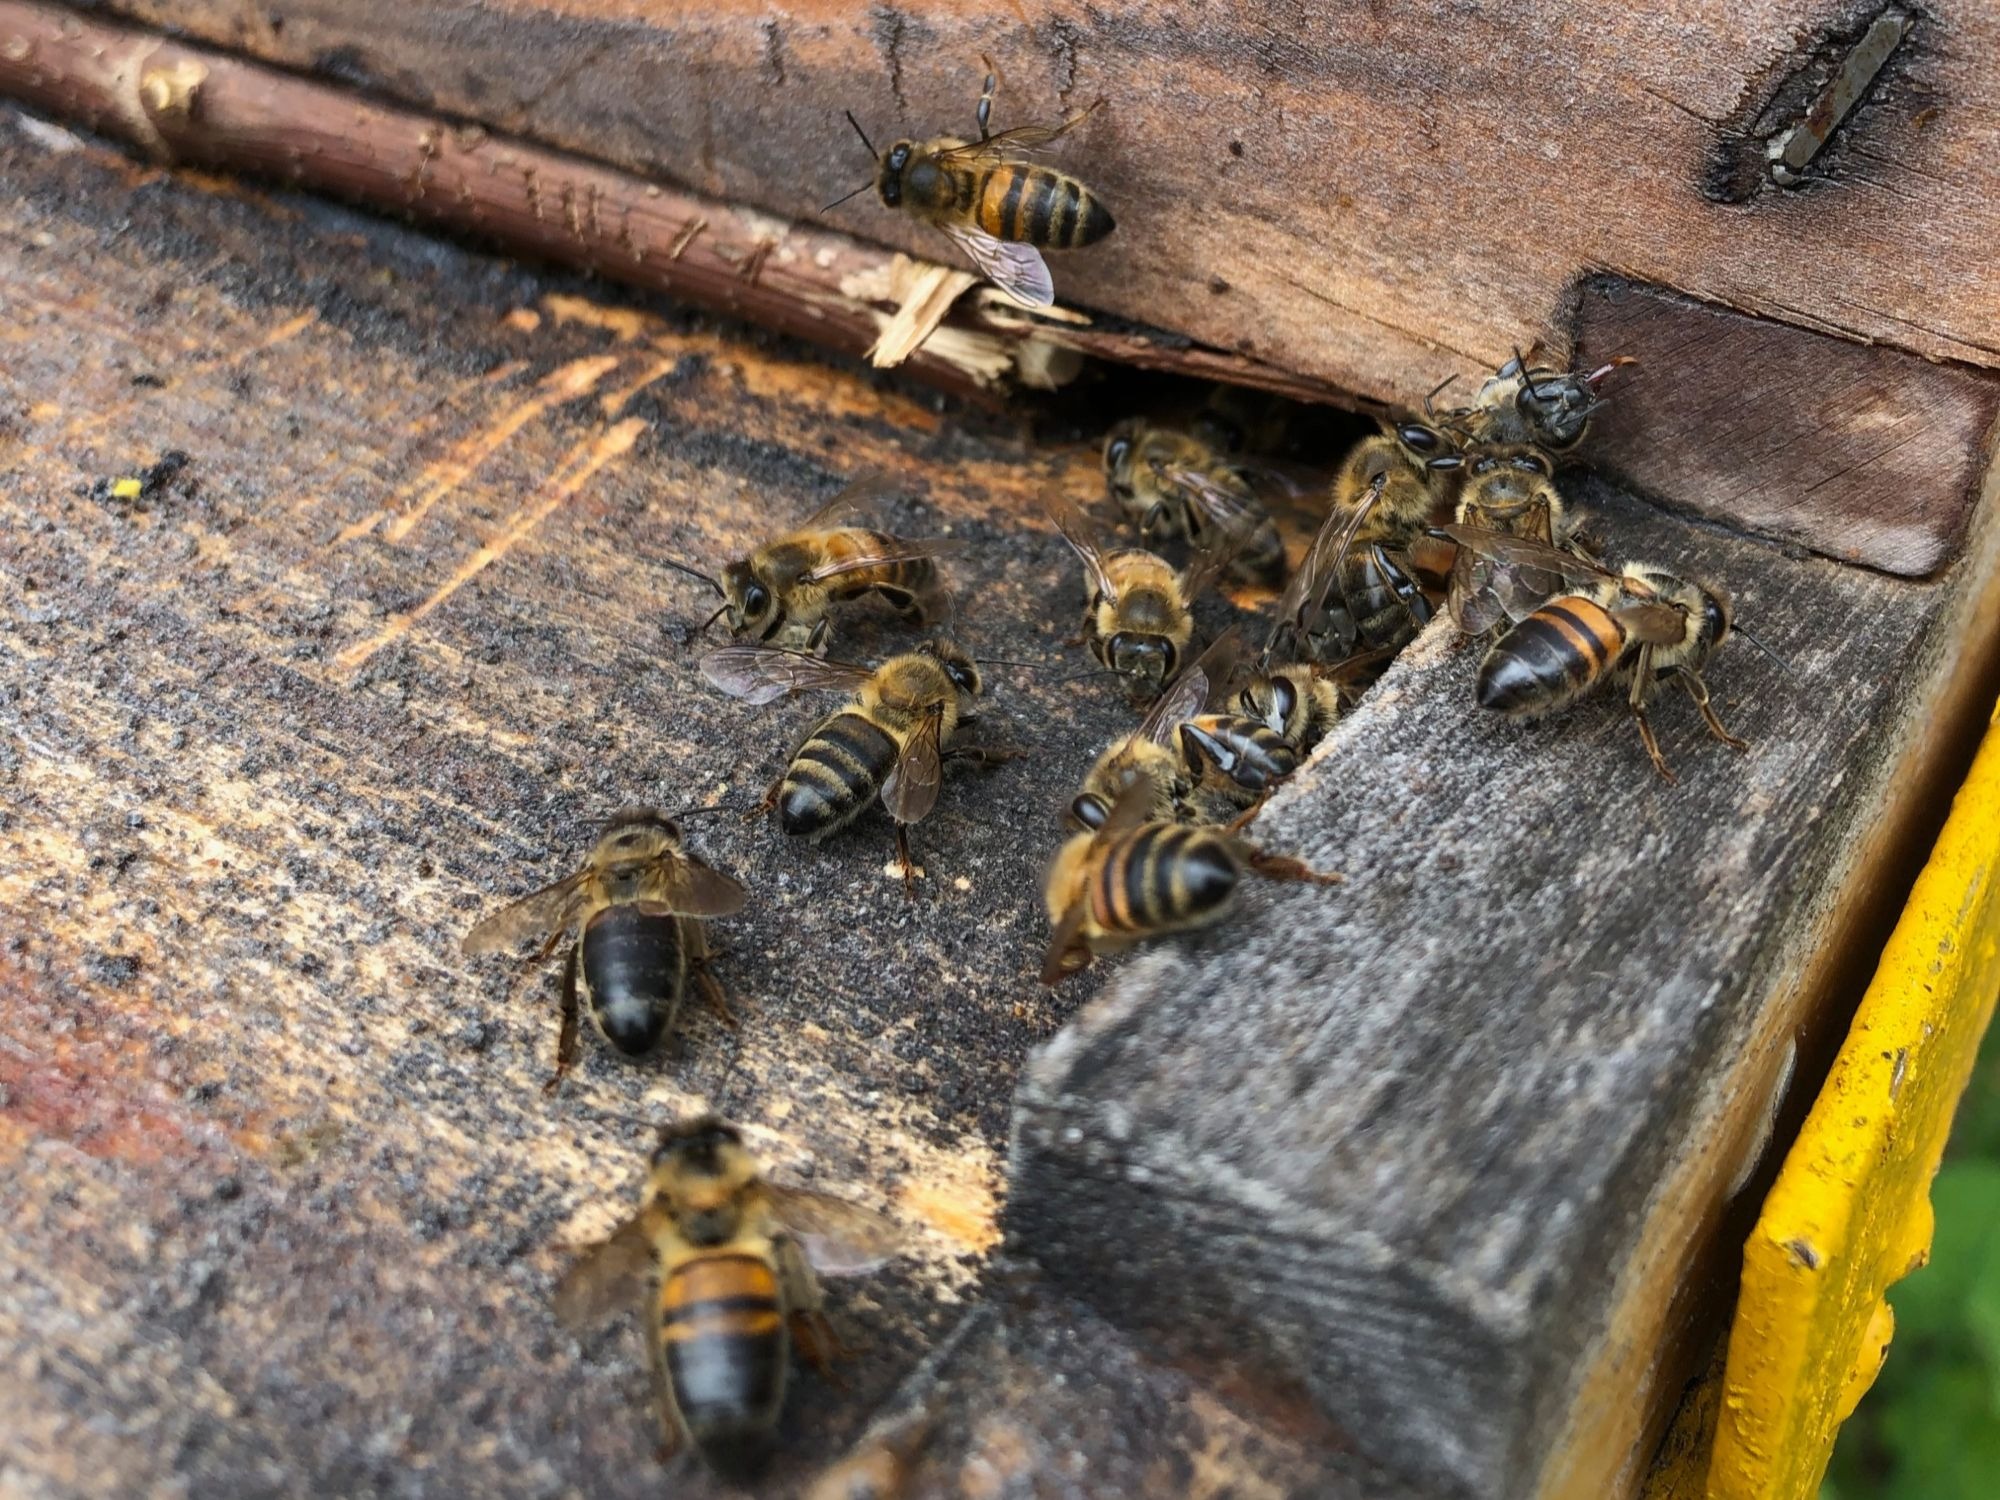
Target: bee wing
<point>903,549</point>
<point>1017,269</point>
<point>1083,541</point>
<point>1189,693</point>
<point>695,890</point>
<point>608,1277</point>
<point>1654,624</point>
<point>839,1237</point>
<point>861,492</point>
<point>1133,807</point>
<point>1497,575</point>
<point>1305,595</point>
<point>1209,564</point>
<point>764,674</point>
<point>1233,509</point>
<point>1002,146</point>
<point>910,790</point>
<point>536,915</point>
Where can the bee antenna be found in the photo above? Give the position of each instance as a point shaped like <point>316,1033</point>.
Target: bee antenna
<point>1080,676</point>
<point>864,138</point>
<point>1001,661</point>
<point>681,567</point>
<point>1526,374</point>
<point>845,196</point>
<point>720,610</point>
<point>1784,666</point>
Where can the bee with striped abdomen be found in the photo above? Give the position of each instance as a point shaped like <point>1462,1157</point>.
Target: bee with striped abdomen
<point>1138,608</point>
<point>783,591</point>
<point>889,743</point>
<point>1152,755</point>
<point>1000,209</point>
<point>636,908</point>
<point>729,1260</point>
<point>1641,625</point>
<point>1133,877</point>
<point>1175,485</point>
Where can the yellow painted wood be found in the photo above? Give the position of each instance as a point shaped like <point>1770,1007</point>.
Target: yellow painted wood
<point>1850,1213</point>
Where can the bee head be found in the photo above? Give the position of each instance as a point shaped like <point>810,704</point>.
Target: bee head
<point>1119,447</point>
<point>1426,447</point>
<point>704,1146</point>
<point>1272,700</point>
<point>889,182</point>
<point>632,840</point>
<point>958,666</point>
<point>751,602</point>
<point>1150,659</point>
<point>1717,616</point>
<point>1556,407</point>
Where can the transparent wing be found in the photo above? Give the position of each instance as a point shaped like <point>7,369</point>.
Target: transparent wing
<point>1017,269</point>
<point>764,674</point>
<point>1231,506</point>
<point>910,790</point>
<point>898,549</point>
<point>1210,563</point>
<point>1077,532</point>
<point>839,1237</point>
<point>608,1277</point>
<point>694,890</point>
<point>861,493</point>
<point>1499,576</point>
<point>1003,145</point>
<point>534,916</point>
<point>1189,693</point>
<point>1651,624</point>
<point>1133,807</point>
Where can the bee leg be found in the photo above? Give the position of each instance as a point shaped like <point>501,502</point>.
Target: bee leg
<point>713,995</point>
<point>909,866</point>
<point>1284,867</point>
<point>817,1344</point>
<point>985,756</point>
<point>984,114</point>
<point>1642,682</point>
<point>566,1037</point>
<point>671,1438</point>
<point>1698,690</point>
<point>816,637</point>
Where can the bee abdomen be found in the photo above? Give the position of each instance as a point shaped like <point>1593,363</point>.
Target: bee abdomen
<point>1550,657</point>
<point>912,577</point>
<point>1388,606</point>
<point>1040,206</point>
<point>834,775</point>
<point>726,1350</point>
<point>1247,751</point>
<point>1162,876</point>
<point>634,965</point>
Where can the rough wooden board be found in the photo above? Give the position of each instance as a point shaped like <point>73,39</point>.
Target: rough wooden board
<point>1438,1138</point>
<point>283,1199</point>
<point>1373,196</point>
<point>1863,454</point>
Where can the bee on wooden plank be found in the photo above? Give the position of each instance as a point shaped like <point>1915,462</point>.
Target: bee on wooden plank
<point>1172,484</point>
<point>1001,209</point>
<point>636,908</point>
<point>785,591</point>
<point>1138,615</point>
<point>724,1261</point>
<point>1135,877</point>
<point>1523,404</point>
<point>1577,626</point>
<point>888,743</point>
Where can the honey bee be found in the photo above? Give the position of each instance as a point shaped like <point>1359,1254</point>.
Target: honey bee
<point>1511,491</point>
<point>1152,756</point>
<point>636,908</point>
<point>725,1263</point>
<point>1138,612</point>
<point>889,742</point>
<point>782,592</point>
<point>1533,405</point>
<point>1001,210</point>
<point>1577,626</point>
<point>1175,485</point>
<point>1135,877</point>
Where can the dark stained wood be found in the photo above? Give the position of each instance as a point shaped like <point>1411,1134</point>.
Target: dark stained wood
<point>1860,453</point>
<point>1446,1145</point>
<point>1382,194</point>
<point>193,104</point>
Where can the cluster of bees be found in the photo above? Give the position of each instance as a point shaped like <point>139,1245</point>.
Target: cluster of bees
<point>1460,508</point>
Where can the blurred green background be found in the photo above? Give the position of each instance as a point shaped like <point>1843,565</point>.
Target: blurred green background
<point>1930,1429</point>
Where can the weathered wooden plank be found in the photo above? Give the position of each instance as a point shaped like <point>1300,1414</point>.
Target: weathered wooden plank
<point>1448,1146</point>
<point>1861,453</point>
<point>1370,197</point>
<point>283,1199</point>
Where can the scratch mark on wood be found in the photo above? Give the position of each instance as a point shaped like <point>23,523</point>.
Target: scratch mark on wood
<point>578,466</point>
<point>569,383</point>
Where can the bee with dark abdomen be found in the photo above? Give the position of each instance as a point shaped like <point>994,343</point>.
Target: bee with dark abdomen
<point>1175,485</point>
<point>1577,626</point>
<point>1132,877</point>
<point>1522,404</point>
<point>782,592</point>
<point>636,908</point>
<point>1000,209</point>
<point>729,1260</point>
<point>889,742</point>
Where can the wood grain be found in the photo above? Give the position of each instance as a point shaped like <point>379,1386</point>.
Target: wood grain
<point>1373,197</point>
<point>1444,1146</point>
<point>1860,453</point>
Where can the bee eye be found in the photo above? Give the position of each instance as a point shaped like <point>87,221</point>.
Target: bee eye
<point>1419,438</point>
<point>756,599</point>
<point>1717,618</point>
<point>1119,452</point>
<point>1283,695</point>
<point>1089,810</point>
